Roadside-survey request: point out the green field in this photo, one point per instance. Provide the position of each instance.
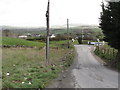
(27, 66)
(17, 41)
(63, 43)
(75, 30)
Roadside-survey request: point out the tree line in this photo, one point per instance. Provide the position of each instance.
(110, 24)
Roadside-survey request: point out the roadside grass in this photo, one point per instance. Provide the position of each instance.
(107, 53)
(27, 67)
(17, 41)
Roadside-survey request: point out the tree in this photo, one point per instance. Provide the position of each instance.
(110, 24)
(6, 32)
(80, 40)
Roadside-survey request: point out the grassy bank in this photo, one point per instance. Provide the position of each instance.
(107, 53)
(26, 68)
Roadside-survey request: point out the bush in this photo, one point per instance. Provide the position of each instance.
(109, 54)
(80, 40)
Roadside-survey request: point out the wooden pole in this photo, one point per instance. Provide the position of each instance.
(68, 33)
(48, 29)
(82, 37)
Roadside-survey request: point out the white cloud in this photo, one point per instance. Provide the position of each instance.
(32, 12)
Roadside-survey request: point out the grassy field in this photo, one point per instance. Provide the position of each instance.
(63, 43)
(75, 30)
(17, 41)
(26, 68)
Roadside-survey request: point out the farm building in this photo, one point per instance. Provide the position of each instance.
(52, 36)
(23, 36)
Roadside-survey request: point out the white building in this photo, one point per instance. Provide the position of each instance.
(23, 36)
(52, 36)
(73, 40)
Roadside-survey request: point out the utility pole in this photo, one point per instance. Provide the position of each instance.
(82, 36)
(48, 33)
(68, 33)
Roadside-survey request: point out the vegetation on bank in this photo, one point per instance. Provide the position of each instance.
(26, 68)
(108, 54)
(110, 24)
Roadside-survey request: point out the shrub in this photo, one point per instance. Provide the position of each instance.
(80, 40)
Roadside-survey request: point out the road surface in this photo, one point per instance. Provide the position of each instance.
(87, 72)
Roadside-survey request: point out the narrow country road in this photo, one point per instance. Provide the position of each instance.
(87, 72)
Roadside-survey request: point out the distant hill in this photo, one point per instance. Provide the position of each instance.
(22, 28)
(44, 28)
(73, 28)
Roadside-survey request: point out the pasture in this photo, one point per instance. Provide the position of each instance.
(26, 68)
(17, 41)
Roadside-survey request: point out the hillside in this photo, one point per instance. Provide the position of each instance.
(17, 41)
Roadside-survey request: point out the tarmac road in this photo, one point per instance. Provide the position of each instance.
(87, 72)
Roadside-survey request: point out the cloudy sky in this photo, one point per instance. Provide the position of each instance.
(32, 12)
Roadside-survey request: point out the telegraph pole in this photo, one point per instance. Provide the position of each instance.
(82, 36)
(67, 32)
(48, 33)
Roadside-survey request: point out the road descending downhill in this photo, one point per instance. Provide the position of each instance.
(90, 73)
(87, 72)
